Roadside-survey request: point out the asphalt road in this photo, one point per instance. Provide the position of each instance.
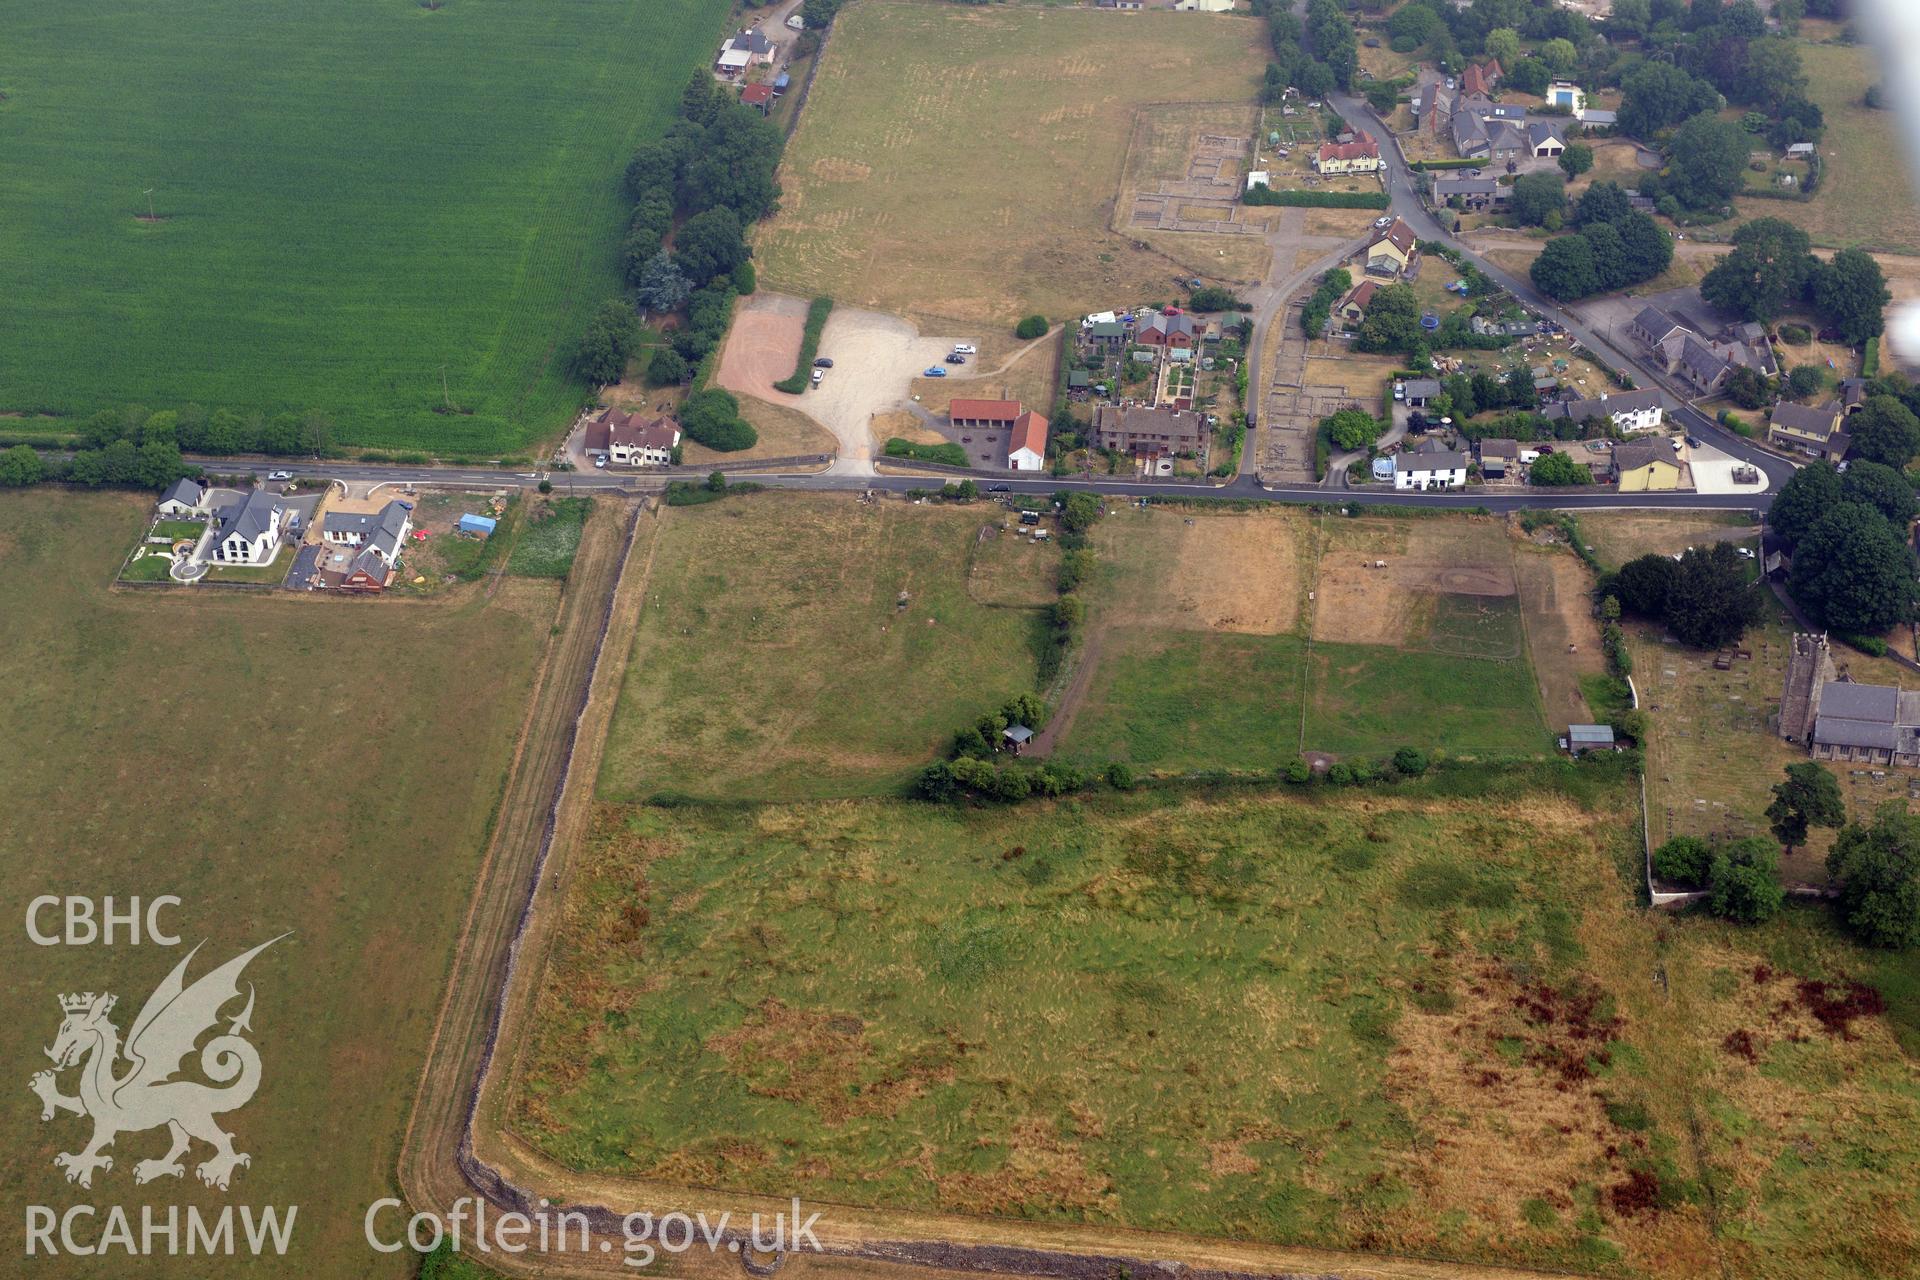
(1408, 206)
(1242, 488)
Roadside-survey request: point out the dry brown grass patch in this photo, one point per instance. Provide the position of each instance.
(810, 1057)
(1042, 1170)
(1207, 572)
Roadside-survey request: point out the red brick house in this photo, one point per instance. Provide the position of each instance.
(1166, 331)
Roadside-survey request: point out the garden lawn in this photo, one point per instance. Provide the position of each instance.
(357, 203)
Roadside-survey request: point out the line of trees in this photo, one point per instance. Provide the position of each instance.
(701, 184)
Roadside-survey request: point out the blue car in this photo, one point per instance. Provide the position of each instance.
(935, 371)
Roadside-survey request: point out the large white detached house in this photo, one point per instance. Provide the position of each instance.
(249, 531)
(1438, 469)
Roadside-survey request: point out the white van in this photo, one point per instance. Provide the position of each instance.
(965, 349)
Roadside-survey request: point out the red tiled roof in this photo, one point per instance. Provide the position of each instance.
(1361, 296)
(989, 410)
(1399, 234)
(757, 95)
(1029, 432)
(1363, 146)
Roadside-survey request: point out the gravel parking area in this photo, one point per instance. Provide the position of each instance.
(875, 359)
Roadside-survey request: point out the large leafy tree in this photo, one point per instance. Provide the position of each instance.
(1882, 488)
(1648, 247)
(1765, 274)
(710, 245)
(1645, 584)
(1744, 881)
(1884, 430)
(1536, 195)
(1810, 493)
(1706, 161)
(1660, 94)
(1851, 294)
(609, 338)
(1809, 797)
(1774, 76)
(20, 466)
(1566, 269)
(662, 286)
(1853, 572)
(1392, 321)
(1876, 866)
(1604, 201)
(1711, 602)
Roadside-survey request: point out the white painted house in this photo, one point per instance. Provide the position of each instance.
(1439, 469)
(1027, 444)
(249, 531)
(1630, 411)
(186, 497)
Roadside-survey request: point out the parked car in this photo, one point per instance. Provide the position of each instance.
(1383, 222)
(1693, 442)
(935, 371)
(964, 349)
(600, 461)
(279, 475)
(824, 362)
(956, 358)
(999, 488)
(817, 375)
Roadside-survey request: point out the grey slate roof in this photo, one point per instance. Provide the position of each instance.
(251, 519)
(185, 490)
(1817, 421)
(1422, 388)
(1625, 402)
(380, 531)
(1654, 321)
(1438, 460)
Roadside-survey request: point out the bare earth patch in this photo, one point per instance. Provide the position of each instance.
(1208, 572)
(762, 345)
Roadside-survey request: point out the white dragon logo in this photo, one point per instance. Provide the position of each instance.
(147, 1096)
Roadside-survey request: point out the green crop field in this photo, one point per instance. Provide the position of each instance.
(354, 200)
(279, 764)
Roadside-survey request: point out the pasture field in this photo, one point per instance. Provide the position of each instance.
(1191, 700)
(1866, 194)
(1209, 653)
(1422, 1019)
(279, 764)
(964, 160)
(350, 201)
(775, 659)
(1619, 536)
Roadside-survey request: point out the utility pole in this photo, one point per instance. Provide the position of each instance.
(151, 215)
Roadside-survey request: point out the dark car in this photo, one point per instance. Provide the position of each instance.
(999, 488)
(824, 362)
(1693, 442)
(956, 358)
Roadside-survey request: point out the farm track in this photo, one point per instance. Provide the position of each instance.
(429, 1165)
(548, 797)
